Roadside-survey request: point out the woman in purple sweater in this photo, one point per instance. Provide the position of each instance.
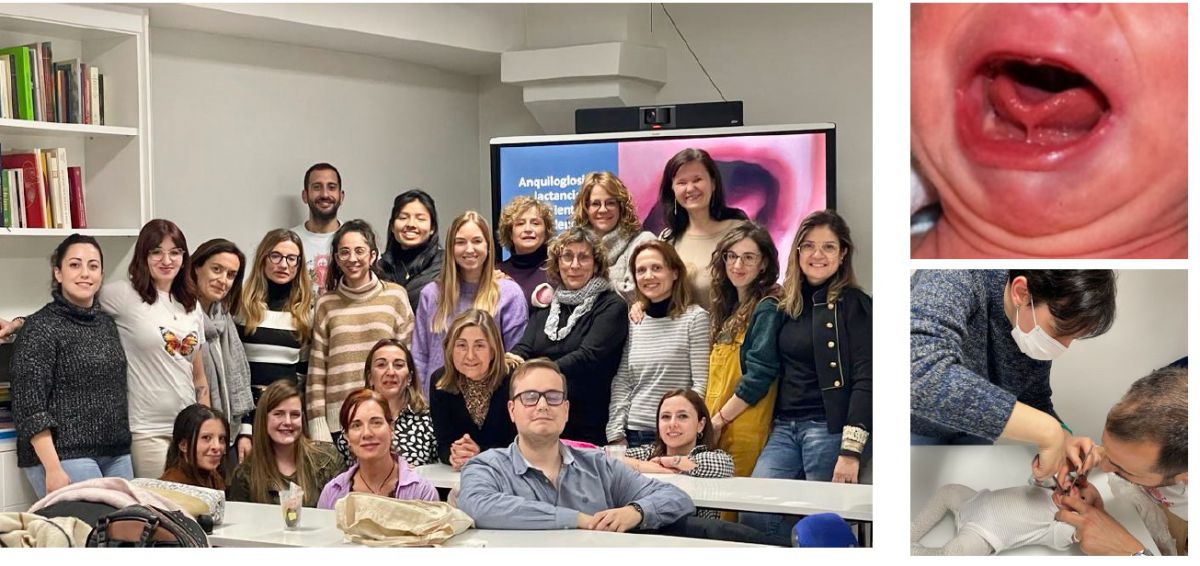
(468, 280)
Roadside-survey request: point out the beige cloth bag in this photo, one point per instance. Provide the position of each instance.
(375, 520)
(26, 530)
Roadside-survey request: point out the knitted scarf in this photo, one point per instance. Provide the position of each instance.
(225, 366)
(615, 243)
(584, 297)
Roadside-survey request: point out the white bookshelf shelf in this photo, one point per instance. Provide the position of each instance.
(13, 127)
(63, 232)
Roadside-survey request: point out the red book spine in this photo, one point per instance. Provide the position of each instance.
(33, 186)
(78, 210)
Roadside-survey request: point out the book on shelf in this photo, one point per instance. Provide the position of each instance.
(38, 88)
(22, 82)
(5, 86)
(78, 210)
(44, 190)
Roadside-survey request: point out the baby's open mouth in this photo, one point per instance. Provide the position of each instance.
(1039, 102)
(1029, 112)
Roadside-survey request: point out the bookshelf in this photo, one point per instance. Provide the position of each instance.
(114, 157)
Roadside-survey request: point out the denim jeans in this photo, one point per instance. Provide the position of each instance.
(795, 450)
(635, 438)
(80, 469)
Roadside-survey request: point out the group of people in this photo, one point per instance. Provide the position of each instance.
(335, 365)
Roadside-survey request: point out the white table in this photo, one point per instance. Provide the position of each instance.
(761, 495)
(258, 525)
(997, 467)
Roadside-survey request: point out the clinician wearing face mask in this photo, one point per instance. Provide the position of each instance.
(982, 346)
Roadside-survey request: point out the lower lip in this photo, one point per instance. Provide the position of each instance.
(970, 113)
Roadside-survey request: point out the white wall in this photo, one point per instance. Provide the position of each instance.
(788, 63)
(1150, 332)
(236, 122)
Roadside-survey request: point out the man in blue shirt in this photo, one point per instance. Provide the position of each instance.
(539, 483)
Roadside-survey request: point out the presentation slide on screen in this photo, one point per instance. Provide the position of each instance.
(775, 179)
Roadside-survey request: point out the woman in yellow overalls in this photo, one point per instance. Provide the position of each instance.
(745, 320)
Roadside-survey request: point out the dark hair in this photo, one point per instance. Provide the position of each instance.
(233, 299)
(792, 301)
(1082, 301)
(322, 167)
(677, 222)
(60, 252)
(393, 247)
(1155, 409)
(728, 315)
(707, 437)
(529, 366)
(187, 430)
(151, 235)
(335, 271)
(350, 406)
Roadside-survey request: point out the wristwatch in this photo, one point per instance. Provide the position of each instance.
(641, 512)
(1142, 552)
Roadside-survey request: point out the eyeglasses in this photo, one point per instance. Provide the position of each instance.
(747, 259)
(346, 253)
(809, 248)
(569, 258)
(610, 204)
(277, 258)
(175, 254)
(530, 398)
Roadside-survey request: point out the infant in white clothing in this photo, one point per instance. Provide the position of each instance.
(989, 521)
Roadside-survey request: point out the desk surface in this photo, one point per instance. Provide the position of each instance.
(258, 525)
(792, 497)
(997, 467)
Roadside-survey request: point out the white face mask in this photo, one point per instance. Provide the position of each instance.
(1035, 343)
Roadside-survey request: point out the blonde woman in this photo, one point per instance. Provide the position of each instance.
(468, 280)
(526, 225)
(470, 402)
(605, 207)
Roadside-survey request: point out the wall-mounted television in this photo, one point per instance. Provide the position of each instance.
(775, 174)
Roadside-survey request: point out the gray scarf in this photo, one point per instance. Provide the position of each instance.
(226, 367)
(584, 297)
(614, 243)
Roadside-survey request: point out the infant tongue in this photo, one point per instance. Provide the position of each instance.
(1047, 117)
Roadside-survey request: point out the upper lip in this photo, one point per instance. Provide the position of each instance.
(1049, 34)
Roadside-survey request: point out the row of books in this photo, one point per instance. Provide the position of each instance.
(34, 88)
(39, 190)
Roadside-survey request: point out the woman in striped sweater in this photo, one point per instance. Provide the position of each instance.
(668, 350)
(275, 318)
(358, 310)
